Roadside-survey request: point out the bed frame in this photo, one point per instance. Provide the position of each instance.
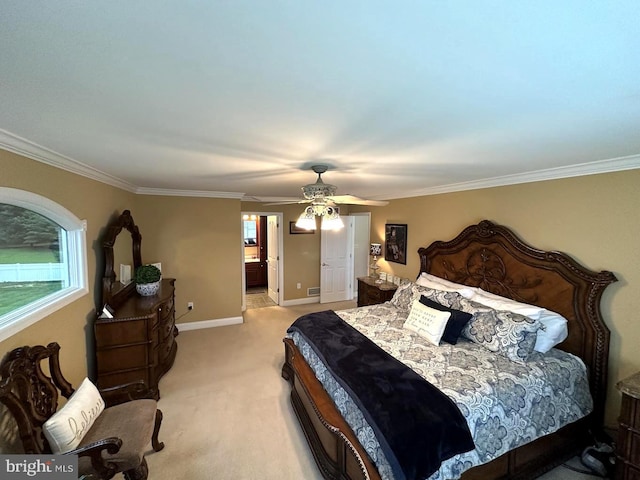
(491, 257)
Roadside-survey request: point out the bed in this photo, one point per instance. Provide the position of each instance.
(489, 257)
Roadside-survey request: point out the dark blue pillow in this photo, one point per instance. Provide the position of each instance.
(455, 324)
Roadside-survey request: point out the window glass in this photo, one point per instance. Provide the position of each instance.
(250, 230)
(32, 265)
(42, 259)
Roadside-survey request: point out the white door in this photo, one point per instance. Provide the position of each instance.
(336, 263)
(272, 257)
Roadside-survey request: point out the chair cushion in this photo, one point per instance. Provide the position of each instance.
(133, 423)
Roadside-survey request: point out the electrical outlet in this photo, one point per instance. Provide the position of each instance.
(298, 285)
(190, 306)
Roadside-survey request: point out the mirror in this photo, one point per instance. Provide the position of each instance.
(250, 229)
(120, 249)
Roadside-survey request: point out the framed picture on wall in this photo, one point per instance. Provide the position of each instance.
(395, 242)
(297, 230)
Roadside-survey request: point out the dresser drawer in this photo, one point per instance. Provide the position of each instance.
(628, 446)
(111, 333)
(629, 412)
(371, 293)
(122, 358)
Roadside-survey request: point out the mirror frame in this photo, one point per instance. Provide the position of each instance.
(111, 294)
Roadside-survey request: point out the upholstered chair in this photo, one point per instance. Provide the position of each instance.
(110, 440)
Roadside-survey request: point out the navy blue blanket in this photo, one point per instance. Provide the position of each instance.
(416, 424)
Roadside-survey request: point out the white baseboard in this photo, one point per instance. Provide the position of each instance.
(219, 322)
(300, 301)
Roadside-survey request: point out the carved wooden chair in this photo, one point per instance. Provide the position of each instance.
(116, 441)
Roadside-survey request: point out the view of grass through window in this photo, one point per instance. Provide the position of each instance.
(30, 257)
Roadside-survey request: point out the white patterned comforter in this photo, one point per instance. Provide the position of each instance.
(506, 404)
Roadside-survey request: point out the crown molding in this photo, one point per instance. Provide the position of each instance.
(26, 148)
(630, 162)
(188, 193)
(14, 143)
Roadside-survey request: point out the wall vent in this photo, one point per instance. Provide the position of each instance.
(313, 292)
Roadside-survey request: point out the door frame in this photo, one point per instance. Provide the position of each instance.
(280, 216)
(361, 244)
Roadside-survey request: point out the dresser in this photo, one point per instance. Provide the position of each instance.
(138, 344)
(628, 446)
(372, 293)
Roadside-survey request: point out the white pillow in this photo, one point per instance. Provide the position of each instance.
(498, 302)
(67, 427)
(554, 329)
(437, 283)
(427, 322)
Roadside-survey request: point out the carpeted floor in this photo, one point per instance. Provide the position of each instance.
(227, 414)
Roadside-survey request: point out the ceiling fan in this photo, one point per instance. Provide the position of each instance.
(320, 193)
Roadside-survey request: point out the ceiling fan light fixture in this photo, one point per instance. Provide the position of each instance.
(331, 219)
(307, 220)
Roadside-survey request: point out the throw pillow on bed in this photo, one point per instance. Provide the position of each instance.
(507, 333)
(456, 322)
(403, 296)
(555, 329)
(427, 322)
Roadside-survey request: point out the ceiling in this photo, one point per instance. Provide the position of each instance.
(400, 99)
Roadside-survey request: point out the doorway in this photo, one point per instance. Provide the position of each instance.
(261, 259)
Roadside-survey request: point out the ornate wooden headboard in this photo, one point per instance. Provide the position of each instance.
(491, 257)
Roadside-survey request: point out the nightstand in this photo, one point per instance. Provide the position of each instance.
(628, 447)
(371, 293)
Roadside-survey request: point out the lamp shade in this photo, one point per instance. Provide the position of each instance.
(307, 220)
(376, 249)
(331, 219)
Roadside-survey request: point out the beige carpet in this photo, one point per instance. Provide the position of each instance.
(227, 414)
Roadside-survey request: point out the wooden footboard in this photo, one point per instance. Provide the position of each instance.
(339, 455)
(333, 444)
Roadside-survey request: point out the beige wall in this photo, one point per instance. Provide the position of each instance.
(88, 200)
(594, 218)
(198, 241)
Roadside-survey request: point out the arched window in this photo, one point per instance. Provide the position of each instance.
(43, 259)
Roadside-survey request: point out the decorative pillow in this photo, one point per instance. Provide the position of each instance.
(68, 426)
(456, 322)
(507, 333)
(427, 322)
(448, 299)
(403, 296)
(437, 283)
(554, 329)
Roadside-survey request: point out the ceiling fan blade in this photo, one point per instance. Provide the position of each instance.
(352, 200)
(288, 202)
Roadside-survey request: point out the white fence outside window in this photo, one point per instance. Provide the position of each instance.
(34, 272)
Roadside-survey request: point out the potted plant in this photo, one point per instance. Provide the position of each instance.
(147, 279)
